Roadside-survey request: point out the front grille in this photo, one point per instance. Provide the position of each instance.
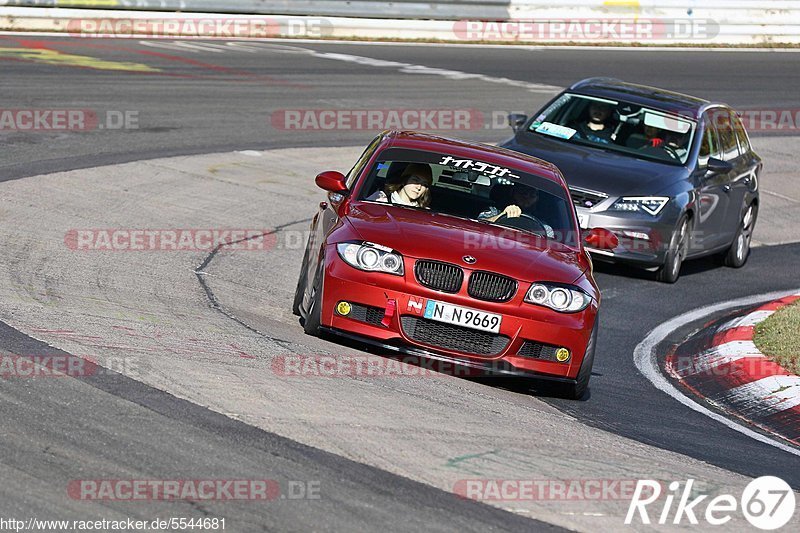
(366, 313)
(538, 350)
(586, 198)
(440, 276)
(491, 287)
(450, 337)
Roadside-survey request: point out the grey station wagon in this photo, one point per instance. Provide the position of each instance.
(673, 177)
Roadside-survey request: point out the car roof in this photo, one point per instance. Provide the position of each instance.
(474, 150)
(660, 99)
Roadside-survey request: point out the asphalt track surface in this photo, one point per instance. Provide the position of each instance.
(201, 101)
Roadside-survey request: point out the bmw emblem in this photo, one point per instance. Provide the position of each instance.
(468, 259)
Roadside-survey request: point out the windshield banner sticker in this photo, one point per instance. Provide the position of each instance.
(480, 166)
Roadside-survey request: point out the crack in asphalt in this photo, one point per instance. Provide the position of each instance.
(212, 298)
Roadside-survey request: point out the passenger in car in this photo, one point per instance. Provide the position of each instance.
(412, 189)
(652, 137)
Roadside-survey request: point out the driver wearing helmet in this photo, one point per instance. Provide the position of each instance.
(519, 200)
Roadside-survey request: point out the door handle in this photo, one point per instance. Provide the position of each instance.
(726, 188)
(323, 205)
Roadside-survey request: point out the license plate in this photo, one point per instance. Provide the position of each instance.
(462, 316)
(583, 221)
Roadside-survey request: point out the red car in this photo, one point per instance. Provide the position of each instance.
(455, 251)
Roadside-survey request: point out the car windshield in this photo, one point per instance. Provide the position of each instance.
(471, 189)
(617, 126)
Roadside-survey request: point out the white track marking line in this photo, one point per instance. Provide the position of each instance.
(644, 356)
(219, 47)
(782, 196)
(197, 46)
(261, 46)
(405, 68)
(408, 68)
(167, 45)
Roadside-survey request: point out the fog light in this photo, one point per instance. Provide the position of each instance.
(562, 354)
(344, 308)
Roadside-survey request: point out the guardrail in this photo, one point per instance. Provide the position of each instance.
(715, 22)
(399, 9)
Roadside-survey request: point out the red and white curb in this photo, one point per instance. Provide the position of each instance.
(732, 374)
(729, 372)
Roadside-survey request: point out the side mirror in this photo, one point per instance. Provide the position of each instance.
(601, 239)
(718, 166)
(516, 121)
(331, 181)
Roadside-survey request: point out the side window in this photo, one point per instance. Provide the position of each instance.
(729, 146)
(741, 135)
(356, 170)
(709, 146)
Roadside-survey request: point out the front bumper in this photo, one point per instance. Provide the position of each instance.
(521, 322)
(642, 241)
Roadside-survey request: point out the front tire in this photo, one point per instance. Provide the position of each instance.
(575, 391)
(737, 254)
(300, 290)
(314, 315)
(670, 271)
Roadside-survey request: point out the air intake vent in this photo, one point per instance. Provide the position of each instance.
(455, 338)
(586, 198)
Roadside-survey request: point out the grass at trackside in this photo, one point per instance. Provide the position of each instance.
(778, 337)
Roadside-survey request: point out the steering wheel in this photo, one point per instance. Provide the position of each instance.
(524, 222)
(671, 151)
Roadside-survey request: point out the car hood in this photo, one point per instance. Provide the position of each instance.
(423, 234)
(599, 170)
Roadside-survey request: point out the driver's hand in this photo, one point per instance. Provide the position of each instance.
(512, 211)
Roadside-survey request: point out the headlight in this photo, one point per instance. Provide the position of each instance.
(371, 257)
(652, 205)
(558, 297)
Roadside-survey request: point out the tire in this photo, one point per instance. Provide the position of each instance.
(575, 391)
(670, 271)
(314, 314)
(737, 254)
(301, 284)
